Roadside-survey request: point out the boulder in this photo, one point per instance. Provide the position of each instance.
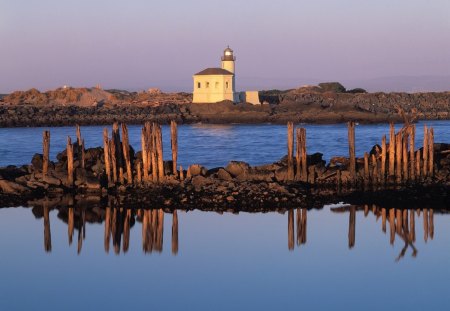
(236, 168)
(199, 181)
(11, 187)
(224, 175)
(36, 161)
(281, 174)
(197, 169)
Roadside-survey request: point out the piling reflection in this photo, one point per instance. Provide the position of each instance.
(398, 224)
(402, 225)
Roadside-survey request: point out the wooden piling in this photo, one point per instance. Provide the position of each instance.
(159, 148)
(405, 155)
(83, 155)
(351, 150)
(78, 131)
(69, 151)
(352, 227)
(181, 173)
(303, 155)
(383, 220)
(392, 149)
(112, 152)
(46, 153)
(366, 169)
(153, 155)
(144, 152)
(138, 172)
(412, 138)
(425, 152)
(106, 155)
(418, 162)
(174, 144)
(126, 153)
(374, 170)
(290, 147)
(47, 232)
(392, 225)
(383, 159)
(398, 156)
(431, 151)
(291, 229)
(297, 154)
(118, 152)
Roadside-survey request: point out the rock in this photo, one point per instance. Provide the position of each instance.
(315, 158)
(281, 174)
(36, 161)
(197, 169)
(11, 187)
(92, 184)
(80, 176)
(199, 181)
(236, 168)
(224, 175)
(52, 181)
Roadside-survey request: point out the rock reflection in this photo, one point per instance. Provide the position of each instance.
(402, 224)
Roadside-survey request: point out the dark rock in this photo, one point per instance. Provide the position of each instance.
(236, 168)
(36, 161)
(224, 175)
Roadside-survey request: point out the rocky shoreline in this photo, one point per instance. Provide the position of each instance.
(64, 107)
(298, 181)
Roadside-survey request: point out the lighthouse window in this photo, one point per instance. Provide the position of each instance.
(199, 85)
(226, 84)
(207, 84)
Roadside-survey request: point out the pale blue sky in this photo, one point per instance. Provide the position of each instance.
(140, 44)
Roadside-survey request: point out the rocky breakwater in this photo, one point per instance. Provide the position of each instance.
(297, 180)
(326, 103)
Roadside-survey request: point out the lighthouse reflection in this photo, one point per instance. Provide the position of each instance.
(398, 224)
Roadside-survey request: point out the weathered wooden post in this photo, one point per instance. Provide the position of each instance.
(112, 152)
(174, 144)
(366, 169)
(431, 151)
(418, 162)
(83, 155)
(374, 170)
(181, 173)
(290, 145)
(383, 159)
(352, 227)
(159, 146)
(70, 224)
(106, 154)
(297, 154)
(154, 154)
(118, 151)
(391, 150)
(405, 155)
(126, 153)
(69, 151)
(425, 151)
(138, 172)
(412, 138)
(144, 154)
(47, 232)
(383, 219)
(78, 131)
(398, 155)
(46, 153)
(351, 149)
(303, 155)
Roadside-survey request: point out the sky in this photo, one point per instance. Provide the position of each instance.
(138, 44)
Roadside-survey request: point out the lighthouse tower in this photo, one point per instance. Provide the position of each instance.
(228, 60)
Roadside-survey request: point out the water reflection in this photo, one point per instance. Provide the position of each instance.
(402, 224)
(398, 224)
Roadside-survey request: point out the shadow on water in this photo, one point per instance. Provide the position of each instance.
(118, 221)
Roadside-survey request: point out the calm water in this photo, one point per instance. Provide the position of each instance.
(322, 260)
(335, 258)
(213, 145)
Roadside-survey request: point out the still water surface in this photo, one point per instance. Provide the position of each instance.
(334, 258)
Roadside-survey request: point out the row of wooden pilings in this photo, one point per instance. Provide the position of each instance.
(117, 157)
(397, 162)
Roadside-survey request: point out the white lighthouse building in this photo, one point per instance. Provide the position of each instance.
(213, 85)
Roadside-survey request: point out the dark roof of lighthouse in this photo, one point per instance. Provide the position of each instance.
(213, 71)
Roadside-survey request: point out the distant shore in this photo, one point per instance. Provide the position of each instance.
(63, 107)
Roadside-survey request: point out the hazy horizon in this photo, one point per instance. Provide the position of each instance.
(379, 46)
